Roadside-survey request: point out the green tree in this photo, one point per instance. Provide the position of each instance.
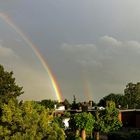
(99, 124)
(49, 103)
(82, 122)
(132, 94)
(106, 120)
(119, 99)
(8, 87)
(28, 120)
(110, 118)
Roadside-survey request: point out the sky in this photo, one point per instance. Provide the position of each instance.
(91, 46)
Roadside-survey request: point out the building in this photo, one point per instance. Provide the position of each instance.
(130, 117)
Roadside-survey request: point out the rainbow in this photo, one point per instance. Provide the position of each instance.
(86, 90)
(86, 86)
(56, 88)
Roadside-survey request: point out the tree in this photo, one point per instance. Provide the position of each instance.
(66, 104)
(82, 122)
(119, 99)
(110, 118)
(8, 87)
(99, 124)
(49, 103)
(132, 94)
(74, 104)
(106, 120)
(28, 121)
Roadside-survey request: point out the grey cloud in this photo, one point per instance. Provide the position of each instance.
(133, 46)
(107, 49)
(6, 52)
(79, 47)
(108, 40)
(81, 53)
(109, 63)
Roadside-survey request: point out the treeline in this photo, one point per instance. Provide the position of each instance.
(130, 99)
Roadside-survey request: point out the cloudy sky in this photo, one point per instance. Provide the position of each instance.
(91, 46)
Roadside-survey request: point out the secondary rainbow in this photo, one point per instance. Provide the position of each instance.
(56, 88)
(86, 86)
(87, 90)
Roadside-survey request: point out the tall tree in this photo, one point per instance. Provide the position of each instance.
(119, 99)
(110, 118)
(106, 120)
(82, 122)
(74, 105)
(66, 104)
(132, 94)
(8, 87)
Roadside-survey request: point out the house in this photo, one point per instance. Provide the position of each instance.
(130, 117)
